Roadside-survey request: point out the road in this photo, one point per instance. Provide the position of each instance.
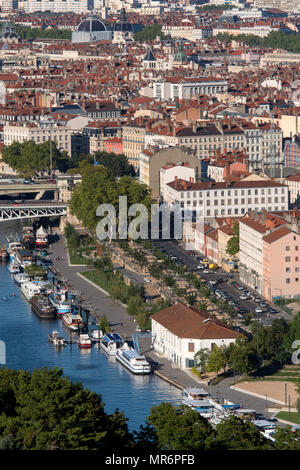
(174, 249)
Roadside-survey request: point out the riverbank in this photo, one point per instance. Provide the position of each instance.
(123, 324)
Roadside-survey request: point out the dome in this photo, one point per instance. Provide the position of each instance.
(90, 25)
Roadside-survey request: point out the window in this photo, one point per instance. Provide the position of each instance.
(287, 270)
(287, 259)
(288, 281)
(191, 347)
(287, 248)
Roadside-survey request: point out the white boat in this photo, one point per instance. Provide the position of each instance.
(14, 268)
(71, 321)
(13, 247)
(197, 399)
(111, 342)
(133, 361)
(221, 404)
(84, 341)
(20, 278)
(60, 301)
(96, 335)
(56, 339)
(31, 288)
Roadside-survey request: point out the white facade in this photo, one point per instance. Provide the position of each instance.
(185, 90)
(251, 256)
(39, 133)
(180, 171)
(221, 199)
(56, 6)
(181, 351)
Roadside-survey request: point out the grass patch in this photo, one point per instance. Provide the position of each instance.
(291, 417)
(77, 258)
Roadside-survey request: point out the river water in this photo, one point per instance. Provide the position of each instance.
(27, 347)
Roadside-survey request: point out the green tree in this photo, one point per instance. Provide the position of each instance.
(104, 324)
(117, 165)
(216, 360)
(45, 411)
(201, 359)
(235, 434)
(233, 244)
(179, 428)
(287, 440)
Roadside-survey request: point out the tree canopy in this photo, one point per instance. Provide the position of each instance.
(99, 187)
(45, 411)
(31, 159)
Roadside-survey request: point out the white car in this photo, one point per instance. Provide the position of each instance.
(206, 271)
(258, 310)
(243, 297)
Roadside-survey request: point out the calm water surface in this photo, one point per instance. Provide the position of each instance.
(27, 347)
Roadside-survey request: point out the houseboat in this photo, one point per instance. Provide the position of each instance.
(111, 342)
(197, 399)
(133, 361)
(13, 247)
(60, 301)
(222, 405)
(71, 321)
(41, 306)
(14, 267)
(20, 278)
(31, 288)
(41, 238)
(84, 341)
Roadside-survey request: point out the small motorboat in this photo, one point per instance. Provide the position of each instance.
(84, 341)
(56, 339)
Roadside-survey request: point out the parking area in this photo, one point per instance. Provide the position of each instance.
(225, 286)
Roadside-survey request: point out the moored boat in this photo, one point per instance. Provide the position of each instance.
(56, 339)
(133, 361)
(41, 306)
(84, 341)
(60, 301)
(197, 399)
(14, 268)
(21, 277)
(31, 288)
(111, 342)
(71, 321)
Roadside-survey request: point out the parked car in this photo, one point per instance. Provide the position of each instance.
(263, 305)
(243, 297)
(206, 271)
(258, 310)
(257, 300)
(240, 288)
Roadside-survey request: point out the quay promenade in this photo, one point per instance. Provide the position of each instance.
(123, 324)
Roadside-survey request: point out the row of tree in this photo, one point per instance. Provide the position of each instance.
(276, 39)
(43, 410)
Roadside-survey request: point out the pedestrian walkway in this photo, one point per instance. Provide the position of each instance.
(122, 323)
(100, 302)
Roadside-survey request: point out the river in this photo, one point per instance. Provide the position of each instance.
(27, 348)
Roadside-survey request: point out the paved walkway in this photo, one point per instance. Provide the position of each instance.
(122, 323)
(100, 303)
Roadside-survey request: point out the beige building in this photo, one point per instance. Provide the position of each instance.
(152, 160)
(39, 132)
(134, 142)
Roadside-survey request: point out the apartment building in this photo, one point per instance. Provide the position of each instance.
(134, 142)
(281, 265)
(227, 199)
(39, 132)
(56, 6)
(293, 183)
